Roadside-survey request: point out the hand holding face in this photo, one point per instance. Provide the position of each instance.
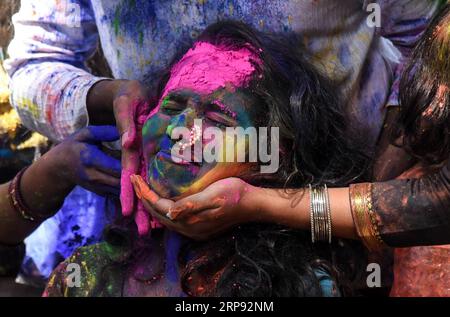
(125, 103)
(131, 108)
(219, 207)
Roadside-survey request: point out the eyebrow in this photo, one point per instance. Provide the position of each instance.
(175, 96)
(224, 108)
(180, 96)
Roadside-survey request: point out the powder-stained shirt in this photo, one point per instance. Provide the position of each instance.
(54, 38)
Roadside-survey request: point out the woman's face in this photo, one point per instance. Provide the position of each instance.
(209, 84)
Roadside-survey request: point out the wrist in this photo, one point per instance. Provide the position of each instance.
(43, 190)
(285, 207)
(54, 165)
(255, 204)
(100, 101)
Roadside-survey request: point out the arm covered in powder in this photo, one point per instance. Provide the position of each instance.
(413, 212)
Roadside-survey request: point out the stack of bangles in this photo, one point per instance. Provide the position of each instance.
(364, 217)
(17, 202)
(320, 214)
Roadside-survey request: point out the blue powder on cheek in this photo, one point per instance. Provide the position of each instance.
(155, 173)
(166, 144)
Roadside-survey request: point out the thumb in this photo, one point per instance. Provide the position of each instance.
(106, 133)
(126, 113)
(149, 197)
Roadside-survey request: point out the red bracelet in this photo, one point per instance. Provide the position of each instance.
(15, 197)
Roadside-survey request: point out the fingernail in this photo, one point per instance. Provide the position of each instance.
(174, 212)
(169, 216)
(136, 186)
(143, 191)
(125, 139)
(176, 209)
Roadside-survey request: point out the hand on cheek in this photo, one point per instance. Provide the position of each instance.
(202, 215)
(151, 203)
(131, 108)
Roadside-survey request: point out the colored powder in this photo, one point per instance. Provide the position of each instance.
(131, 138)
(126, 192)
(225, 108)
(206, 68)
(220, 171)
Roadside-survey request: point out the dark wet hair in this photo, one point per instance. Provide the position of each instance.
(270, 259)
(424, 128)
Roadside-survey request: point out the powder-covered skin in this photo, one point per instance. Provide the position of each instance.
(208, 83)
(206, 68)
(132, 139)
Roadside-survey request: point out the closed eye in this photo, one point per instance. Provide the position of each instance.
(172, 107)
(219, 118)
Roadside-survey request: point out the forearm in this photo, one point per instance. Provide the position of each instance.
(293, 209)
(42, 190)
(100, 101)
(49, 82)
(50, 97)
(397, 213)
(414, 212)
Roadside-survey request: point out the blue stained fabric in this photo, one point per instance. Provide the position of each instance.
(80, 222)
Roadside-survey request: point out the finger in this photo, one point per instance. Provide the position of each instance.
(157, 216)
(193, 204)
(127, 192)
(130, 166)
(144, 193)
(101, 189)
(142, 219)
(142, 190)
(96, 158)
(142, 213)
(104, 190)
(100, 178)
(104, 133)
(160, 218)
(183, 228)
(125, 114)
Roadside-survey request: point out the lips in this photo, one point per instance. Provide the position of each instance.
(180, 160)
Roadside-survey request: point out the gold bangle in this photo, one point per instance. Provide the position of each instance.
(364, 216)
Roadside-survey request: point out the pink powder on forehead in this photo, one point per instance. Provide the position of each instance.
(207, 67)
